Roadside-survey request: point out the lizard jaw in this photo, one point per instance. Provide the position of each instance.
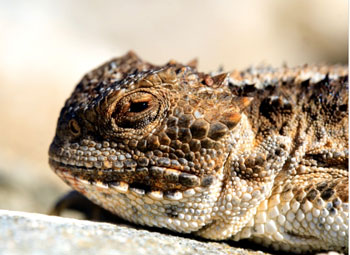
(148, 178)
(183, 211)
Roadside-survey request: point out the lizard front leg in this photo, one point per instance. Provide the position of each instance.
(306, 211)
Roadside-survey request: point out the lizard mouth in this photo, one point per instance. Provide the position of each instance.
(154, 179)
(110, 179)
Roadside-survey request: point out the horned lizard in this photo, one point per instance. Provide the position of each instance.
(259, 154)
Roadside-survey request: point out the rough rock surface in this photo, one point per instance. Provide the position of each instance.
(29, 233)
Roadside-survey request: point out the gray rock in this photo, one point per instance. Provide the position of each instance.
(29, 233)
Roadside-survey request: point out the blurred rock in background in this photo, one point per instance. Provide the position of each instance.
(46, 47)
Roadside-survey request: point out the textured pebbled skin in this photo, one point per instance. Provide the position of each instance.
(260, 153)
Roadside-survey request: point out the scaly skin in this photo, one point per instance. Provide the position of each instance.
(259, 154)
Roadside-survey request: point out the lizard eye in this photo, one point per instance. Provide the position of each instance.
(138, 107)
(136, 110)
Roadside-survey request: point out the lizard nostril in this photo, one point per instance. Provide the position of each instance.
(74, 127)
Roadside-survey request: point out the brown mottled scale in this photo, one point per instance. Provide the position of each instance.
(260, 153)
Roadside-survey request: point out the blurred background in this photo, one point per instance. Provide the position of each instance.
(47, 45)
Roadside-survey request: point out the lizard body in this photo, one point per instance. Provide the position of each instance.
(259, 154)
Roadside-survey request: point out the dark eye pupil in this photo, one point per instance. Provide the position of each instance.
(138, 107)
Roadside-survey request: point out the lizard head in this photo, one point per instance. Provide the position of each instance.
(145, 141)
